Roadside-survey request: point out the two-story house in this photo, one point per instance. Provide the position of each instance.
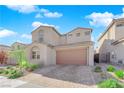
(5, 48)
(50, 47)
(111, 42)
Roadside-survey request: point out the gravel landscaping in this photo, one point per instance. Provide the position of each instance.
(62, 76)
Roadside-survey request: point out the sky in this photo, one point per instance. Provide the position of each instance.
(18, 21)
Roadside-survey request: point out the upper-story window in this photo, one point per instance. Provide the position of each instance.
(87, 33)
(119, 25)
(40, 36)
(78, 34)
(41, 33)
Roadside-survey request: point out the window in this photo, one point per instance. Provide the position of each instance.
(77, 34)
(35, 53)
(87, 33)
(119, 25)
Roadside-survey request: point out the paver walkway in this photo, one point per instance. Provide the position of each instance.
(14, 83)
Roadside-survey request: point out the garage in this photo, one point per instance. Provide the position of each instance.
(72, 56)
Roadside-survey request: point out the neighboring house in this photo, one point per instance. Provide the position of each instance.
(14, 46)
(4, 48)
(18, 45)
(111, 43)
(50, 47)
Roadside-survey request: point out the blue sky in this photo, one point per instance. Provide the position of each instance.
(17, 22)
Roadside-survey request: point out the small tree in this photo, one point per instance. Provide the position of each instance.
(20, 56)
(3, 57)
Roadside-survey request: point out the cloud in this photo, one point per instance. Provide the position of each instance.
(103, 19)
(6, 33)
(38, 16)
(27, 36)
(23, 8)
(37, 24)
(100, 19)
(48, 14)
(26, 9)
(53, 15)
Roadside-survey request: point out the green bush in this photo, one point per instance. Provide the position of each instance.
(98, 69)
(1, 71)
(119, 74)
(110, 83)
(32, 67)
(9, 67)
(11, 73)
(111, 68)
(14, 74)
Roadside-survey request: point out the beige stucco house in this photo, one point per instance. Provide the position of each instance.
(5, 48)
(18, 45)
(49, 47)
(111, 42)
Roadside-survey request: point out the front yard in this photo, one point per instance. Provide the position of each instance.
(76, 76)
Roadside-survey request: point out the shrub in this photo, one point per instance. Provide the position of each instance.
(14, 74)
(120, 74)
(11, 73)
(32, 67)
(111, 68)
(98, 69)
(1, 71)
(24, 64)
(3, 57)
(110, 83)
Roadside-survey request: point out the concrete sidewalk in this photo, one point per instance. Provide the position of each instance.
(15, 83)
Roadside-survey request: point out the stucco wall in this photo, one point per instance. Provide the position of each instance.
(51, 37)
(42, 49)
(47, 54)
(81, 38)
(119, 52)
(119, 33)
(51, 56)
(48, 35)
(2, 48)
(90, 56)
(63, 39)
(17, 46)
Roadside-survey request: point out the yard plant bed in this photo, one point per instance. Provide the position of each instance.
(119, 74)
(110, 83)
(11, 72)
(111, 68)
(17, 71)
(98, 69)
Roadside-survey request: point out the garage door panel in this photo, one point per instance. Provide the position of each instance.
(71, 56)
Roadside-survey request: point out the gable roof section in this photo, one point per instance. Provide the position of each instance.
(4, 46)
(18, 43)
(58, 32)
(79, 28)
(50, 27)
(110, 25)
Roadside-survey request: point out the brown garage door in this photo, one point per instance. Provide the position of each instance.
(72, 56)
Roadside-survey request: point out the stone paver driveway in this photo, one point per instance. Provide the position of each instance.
(62, 76)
